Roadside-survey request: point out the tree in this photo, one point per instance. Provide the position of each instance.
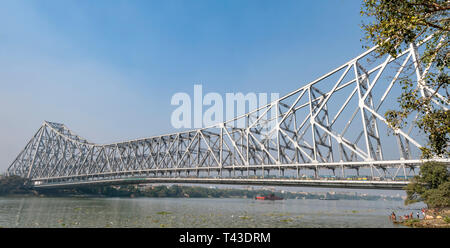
(14, 185)
(431, 186)
(395, 25)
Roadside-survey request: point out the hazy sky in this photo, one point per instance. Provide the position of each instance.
(108, 69)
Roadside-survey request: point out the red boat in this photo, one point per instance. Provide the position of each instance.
(271, 197)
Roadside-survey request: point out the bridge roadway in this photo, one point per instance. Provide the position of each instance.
(321, 183)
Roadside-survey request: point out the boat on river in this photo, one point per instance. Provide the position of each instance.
(270, 197)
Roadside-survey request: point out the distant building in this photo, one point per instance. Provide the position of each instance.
(144, 186)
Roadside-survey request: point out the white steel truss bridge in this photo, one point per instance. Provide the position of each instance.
(331, 132)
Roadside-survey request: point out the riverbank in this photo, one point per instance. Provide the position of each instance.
(14, 185)
(432, 219)
(182, 191)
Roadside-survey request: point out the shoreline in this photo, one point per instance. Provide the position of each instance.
(183, 191)
(179, 197)
(422, 223)
(433, 219)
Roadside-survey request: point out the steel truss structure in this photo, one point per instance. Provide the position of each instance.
(335, 123)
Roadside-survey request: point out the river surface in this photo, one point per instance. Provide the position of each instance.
(197, 212)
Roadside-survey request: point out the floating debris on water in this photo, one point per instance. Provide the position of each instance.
(286, 220)
(163, 213)
(245, 217)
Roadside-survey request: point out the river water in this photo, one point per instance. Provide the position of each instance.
(197, 212)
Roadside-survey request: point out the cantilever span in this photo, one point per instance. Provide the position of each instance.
(331, 132)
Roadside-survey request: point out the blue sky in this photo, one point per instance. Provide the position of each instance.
(108, 69)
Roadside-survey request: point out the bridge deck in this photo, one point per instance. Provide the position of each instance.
(397, 185)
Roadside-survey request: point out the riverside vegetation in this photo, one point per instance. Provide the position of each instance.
(393, 26)
(432, 187)
(14, 185)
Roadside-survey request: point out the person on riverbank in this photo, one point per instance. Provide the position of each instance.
(418, 216)
(423, 213)
(393, 217)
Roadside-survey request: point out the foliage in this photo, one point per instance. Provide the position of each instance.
(120, 191)
(440, 197)
(447, 219)
(395, 25)
(432, 186)
(185, 191)
(14, 185)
